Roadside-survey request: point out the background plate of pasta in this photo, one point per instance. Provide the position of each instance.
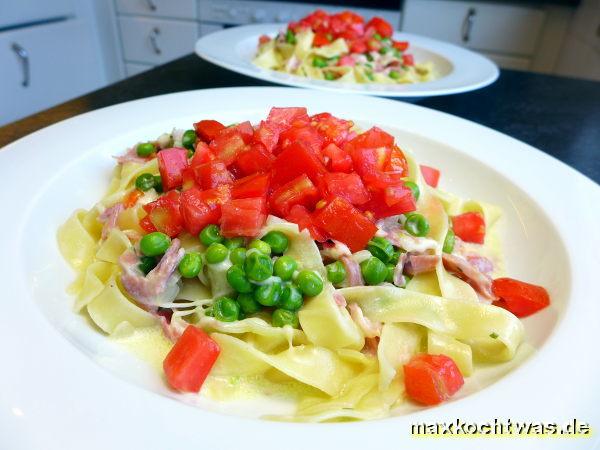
(242, 266)
(342, 52)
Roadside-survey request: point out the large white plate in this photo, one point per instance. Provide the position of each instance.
(55, 394)
(460, 70)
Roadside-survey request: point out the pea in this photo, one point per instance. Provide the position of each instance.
(261, 246)
(277, 241)
(394, 75)
(237, 255)
(190, 265)
(268, 294)
(309, 283)
(336, 272)
(216, 253)
(188, 139)
(416, 192)
(290, 37)
(291, 297)
(210, 234)
(147, 263)
(258, 266)
(144, 182)
(158, 187)
(236, 277)
(384, 50)
(369, 57)
(284, 267)
(370, 75)
(373, 270)
(381, 248)
(416, 224)
(282, 317)
(233, 243)
(449, 242)
(155, 244)
(378, 36)
(390, 273)
(145, 149)
(247, 303)
(226, 309)
(319, 62)
(329, 76)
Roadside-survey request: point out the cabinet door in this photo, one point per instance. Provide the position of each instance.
(156, 41)
(177, 9)
(132, 69)
(16, 12)
(57, 62)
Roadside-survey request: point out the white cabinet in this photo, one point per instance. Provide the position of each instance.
(132, 69)
(16, 12)
(45, 65)
(177, 9)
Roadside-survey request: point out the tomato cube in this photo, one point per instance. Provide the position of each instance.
(164, 213)
(431, 175)
(283, 118)
(346, 185)
(227, 145)
(207, 130)
(294, 161)
(299, 191)
(431, 379)
(255, 159)
(337, 160)
(256, 185)
(302, 217)
(470, 227)
(171, 163)
(212, 175)
(268, 135)
(243, 217)
(200, 208)
(520, 298)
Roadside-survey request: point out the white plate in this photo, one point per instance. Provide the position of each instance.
(55, 395)
(460, 70)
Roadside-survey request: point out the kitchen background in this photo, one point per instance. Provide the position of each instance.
(54, 50)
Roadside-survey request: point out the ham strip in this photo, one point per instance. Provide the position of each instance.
(481, 282)
(172, 329)
(339, 299)
(369, 329)
(109, 218)
(416, 264)
(354, 275)
(399, 279)
(483, 264)
(131, 156)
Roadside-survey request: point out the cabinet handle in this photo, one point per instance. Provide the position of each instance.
(468, 25)
(24, 58)
(153, 35)
(151, 5)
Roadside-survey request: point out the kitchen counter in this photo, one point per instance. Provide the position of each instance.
(560, 116)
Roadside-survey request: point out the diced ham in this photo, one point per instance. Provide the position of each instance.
(481, 282)
(416, 264)
(353, 273)
(391, 229)
(339, 299)
(371, 345)
(109, 218)
(335, 250)
(369, 329)
(399, 279)
(483, 264)
(131, 156)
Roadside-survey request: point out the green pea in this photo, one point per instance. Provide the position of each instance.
(394, 75)
(147, 263)
(284, 267)
(158, 187)
(155, 244)
(145, 149)
(190, 265)
(369, 57)
(236, 277)
(336, 272)
(258, 266)
(390, 273)
(216, 253)
(329, 76)
(234, 243)
(381, 248)
(261, 246)
(384, 50)
(277, 241)
(238, 255)
(290, 37)
(291, 297)
(268, 294)
(416, 192)
(144, 182)
(226, 309)
(395, 257)
(449, 242)
(310, 283)
(210, 234)
(370, 75)
(397, 53)
(188, 139)
(247, 304)
(416, 224)
(378, 36)
(282, 317)
(373, 271)
(319, 62)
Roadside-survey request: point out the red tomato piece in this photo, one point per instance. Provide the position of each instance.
(520, 298)
(408, 60)
(171, 163)
(295, 160)
(164, 213)
(470, 227)
(263, 39)
(374, 45)
(397, 163)
(358, 46)
(381, 27)
(346, 185)
(299, 191)
(227, 145)
(283, 118)
(390, 201)
(207, 130)
(337, 160)
(267, 134)
(321, 39)
(188, 179)
(147, 224)
(243, 217)
(400, 45)
(331, 128)
(343, 222)
(256, 185)
(347, 60)
(307, 134)
(132, 198)
(202, 154)
(190, 360)
(302, 217)
(255, 159)
(200, 208)
(212, 175)
(431, 175)
(244, 129)
(431, 379)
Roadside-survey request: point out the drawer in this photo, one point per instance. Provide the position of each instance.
(176, 9)
(132, 69)
(510, 62)
(25, 11)
(207, 28)
(484, 26)
(156, 41)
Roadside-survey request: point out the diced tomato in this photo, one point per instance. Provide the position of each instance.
(207, 130)
(200, 208)
(337, 160)
(295, 160)
(302, 217)
(190, 360)
(347, 60)
(400, 45)
(381, 27)
(255, 159)
(520, 298)
(431, 175)
(212, 175)
(343, 222)
(408, 60)
(256, 185)
(358, 46)
(391, 201)
(244, 129)
(307, 134)
(132, 198)
(346, 185)
(188, 179)
(202, 155)
(321, 39)
(267, 134)
(147, 224)
(331, 128)
(227, 146)
(263, 39)
(397, 163)
(283, 118)
(171, 163)
(431, 379)
(164, 213)
(299, 191)
(470, 227)
(243, 217)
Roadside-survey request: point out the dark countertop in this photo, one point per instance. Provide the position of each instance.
(560, 116)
